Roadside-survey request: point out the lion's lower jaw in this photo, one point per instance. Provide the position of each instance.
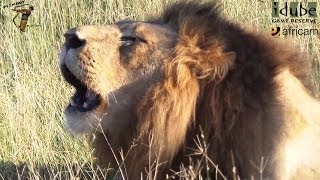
(82, 123)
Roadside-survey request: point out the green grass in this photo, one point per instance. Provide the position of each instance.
(33, 141)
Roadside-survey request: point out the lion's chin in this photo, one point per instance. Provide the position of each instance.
(82, 122)
(85, 112)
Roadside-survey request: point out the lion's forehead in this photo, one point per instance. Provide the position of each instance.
(152, 32)
(96, 32)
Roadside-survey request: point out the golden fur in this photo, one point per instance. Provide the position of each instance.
(194, 89)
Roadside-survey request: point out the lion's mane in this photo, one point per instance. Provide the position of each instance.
(220, 99)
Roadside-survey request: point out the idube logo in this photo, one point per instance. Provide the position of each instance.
(294, 9)
(294, 18)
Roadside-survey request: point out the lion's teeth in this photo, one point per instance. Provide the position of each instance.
(85, 105)
(72, 103)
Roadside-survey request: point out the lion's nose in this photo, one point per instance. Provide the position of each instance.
(73, 41)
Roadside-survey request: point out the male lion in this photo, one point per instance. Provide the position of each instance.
(190, 89)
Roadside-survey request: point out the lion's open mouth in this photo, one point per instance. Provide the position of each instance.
(84, 99)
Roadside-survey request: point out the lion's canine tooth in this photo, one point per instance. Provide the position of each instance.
(72, 103)
(85, 105)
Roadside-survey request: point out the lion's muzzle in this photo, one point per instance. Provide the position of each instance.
(84, 99)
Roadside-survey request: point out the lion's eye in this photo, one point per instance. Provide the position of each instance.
(129, 40)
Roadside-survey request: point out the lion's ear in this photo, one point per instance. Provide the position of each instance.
(229, 56)
(205, 58)
(213, 64)
(220, 62)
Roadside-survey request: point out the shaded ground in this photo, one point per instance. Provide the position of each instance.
(9, 170)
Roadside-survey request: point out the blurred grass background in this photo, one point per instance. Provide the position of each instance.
(33, 141)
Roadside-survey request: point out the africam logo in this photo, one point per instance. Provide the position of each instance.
(21, 8)
(277, 31)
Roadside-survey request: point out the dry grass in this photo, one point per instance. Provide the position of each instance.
(33, 141)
